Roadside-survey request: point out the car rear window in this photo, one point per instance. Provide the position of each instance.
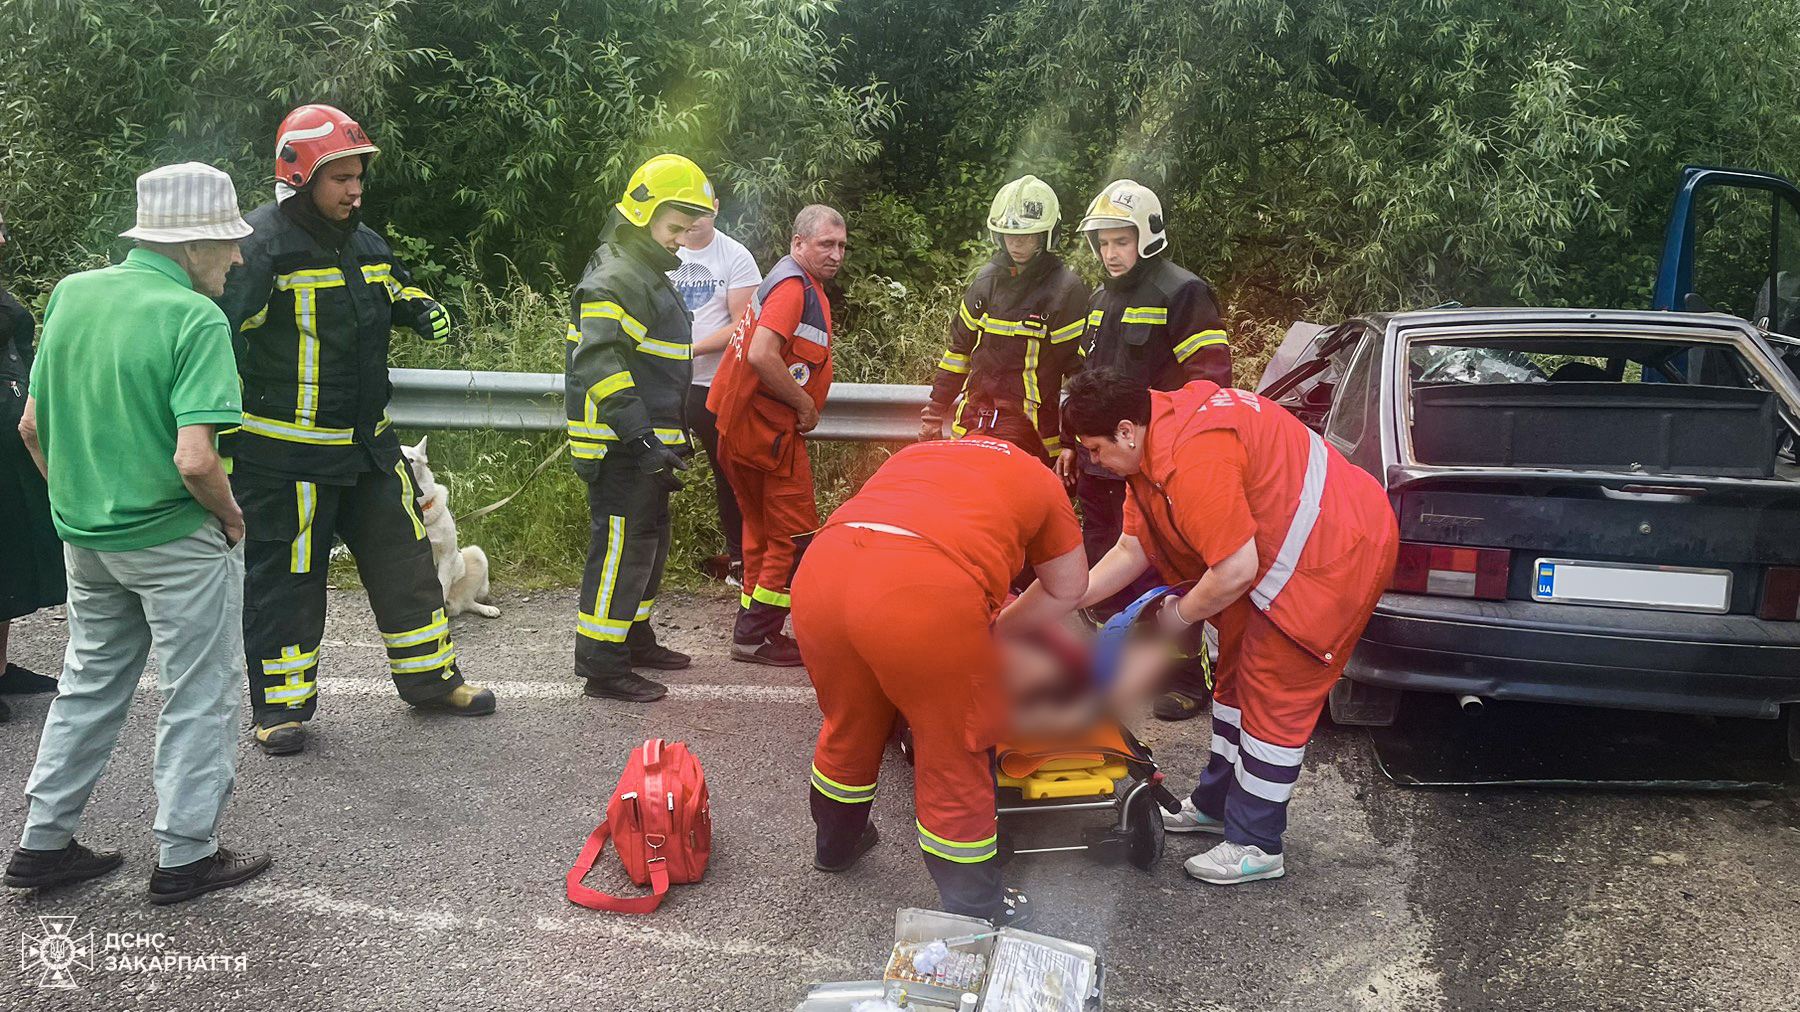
(1616, 404)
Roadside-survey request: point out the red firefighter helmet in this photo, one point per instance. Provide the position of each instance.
(312, 135)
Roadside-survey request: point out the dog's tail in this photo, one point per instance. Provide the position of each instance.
(476, 561)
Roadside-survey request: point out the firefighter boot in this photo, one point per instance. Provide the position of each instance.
(282, 739)
(647, 653)
(465, 701)
(627, 685)
(844, 833)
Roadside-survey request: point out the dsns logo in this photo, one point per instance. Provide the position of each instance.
(57, 953)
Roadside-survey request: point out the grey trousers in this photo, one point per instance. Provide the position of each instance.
(186, 598)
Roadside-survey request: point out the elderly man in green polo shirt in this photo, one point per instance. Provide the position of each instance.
(133, 374)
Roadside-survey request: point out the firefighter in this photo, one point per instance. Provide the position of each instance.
(629, 360)
(767, 395)
(311, 309)
(1160, 325)
(895, 611)
(1017, 332)
(1291, 546)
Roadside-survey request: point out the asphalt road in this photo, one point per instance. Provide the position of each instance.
(420, 860)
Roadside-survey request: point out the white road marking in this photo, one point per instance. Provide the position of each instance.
(318, 901)
(339, 685)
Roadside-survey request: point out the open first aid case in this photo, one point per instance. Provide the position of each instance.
(977, 969)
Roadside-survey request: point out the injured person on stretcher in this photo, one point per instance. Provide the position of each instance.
(1063, 682)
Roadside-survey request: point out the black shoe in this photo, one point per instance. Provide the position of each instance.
(660, 657)
(1173, 706)
(778, 651)
(629, 686)
(222, 870)
(41, 869)
(465, 701)
(282, 739)
(17, 681)
(1015, 909)
(864, 844)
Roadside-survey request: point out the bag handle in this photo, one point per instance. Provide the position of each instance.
(594, 899)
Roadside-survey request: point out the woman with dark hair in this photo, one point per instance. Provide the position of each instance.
(31, 573)
(1291, 546)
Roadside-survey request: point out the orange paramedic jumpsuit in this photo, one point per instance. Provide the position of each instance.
(901, 622)
(1222, 467)
(762, 449)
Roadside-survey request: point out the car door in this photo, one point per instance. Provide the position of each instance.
(1733, 246)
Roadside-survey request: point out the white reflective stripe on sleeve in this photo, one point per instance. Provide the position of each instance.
(1312, 492)
(1267, 790)
(1274, 755)
(813, 334)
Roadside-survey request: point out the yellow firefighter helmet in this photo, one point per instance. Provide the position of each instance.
(1125, 202)
(665, 179)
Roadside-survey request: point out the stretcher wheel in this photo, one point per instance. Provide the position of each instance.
(1143, 829)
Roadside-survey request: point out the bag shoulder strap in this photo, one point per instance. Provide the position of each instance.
(595, 899)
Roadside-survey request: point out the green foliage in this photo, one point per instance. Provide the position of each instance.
(1314, 159)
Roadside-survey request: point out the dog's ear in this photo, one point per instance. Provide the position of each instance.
(420, 449)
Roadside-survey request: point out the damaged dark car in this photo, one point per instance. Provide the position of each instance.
(1595, 507)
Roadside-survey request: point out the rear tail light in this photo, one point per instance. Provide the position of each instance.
(1451, 571)
(1781, 594)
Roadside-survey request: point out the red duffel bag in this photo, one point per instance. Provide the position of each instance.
(660, 820)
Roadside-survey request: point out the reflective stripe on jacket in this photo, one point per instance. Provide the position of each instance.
(1321, 522)
(311, 327)
(1016, 335)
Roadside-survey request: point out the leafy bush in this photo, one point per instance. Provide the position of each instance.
(1314, 159)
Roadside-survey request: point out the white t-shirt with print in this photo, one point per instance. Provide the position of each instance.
(703, 280)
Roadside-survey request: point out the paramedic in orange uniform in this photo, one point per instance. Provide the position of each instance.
(895, 611)
(1292, 546)
(768, 393)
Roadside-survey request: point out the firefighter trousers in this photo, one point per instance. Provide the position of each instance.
(780, 516)
(889, 625)
(290, 527)
(628, 548)
(1267, 697)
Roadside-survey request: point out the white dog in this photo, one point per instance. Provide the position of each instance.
(463, 573)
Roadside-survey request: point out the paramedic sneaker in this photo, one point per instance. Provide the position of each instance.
(1190, 820)
(778, 650)
(1230, 863)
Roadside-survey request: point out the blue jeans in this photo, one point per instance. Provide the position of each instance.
(186, 598)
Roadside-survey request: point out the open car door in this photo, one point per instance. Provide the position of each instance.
(1733, 246)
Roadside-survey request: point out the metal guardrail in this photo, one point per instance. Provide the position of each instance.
(435, 399)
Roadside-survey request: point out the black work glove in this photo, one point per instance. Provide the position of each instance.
(658, 463)
(436, 324)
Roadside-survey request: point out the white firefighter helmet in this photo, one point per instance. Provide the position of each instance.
(1025, 206)
(1125, 202)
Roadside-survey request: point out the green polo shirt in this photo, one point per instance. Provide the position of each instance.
(127, 356)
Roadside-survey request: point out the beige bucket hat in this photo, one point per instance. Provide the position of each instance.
(181, 203)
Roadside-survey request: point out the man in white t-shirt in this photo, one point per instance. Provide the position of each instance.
(716, 278)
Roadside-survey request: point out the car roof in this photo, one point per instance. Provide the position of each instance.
(1535, 315)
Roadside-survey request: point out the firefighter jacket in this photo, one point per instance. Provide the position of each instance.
(629, 356)
(755, 427)
(1322, 523)
(1160, 325)
(311, 311)
(1015, 336)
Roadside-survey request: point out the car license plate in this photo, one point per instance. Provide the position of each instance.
(1623, 585)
